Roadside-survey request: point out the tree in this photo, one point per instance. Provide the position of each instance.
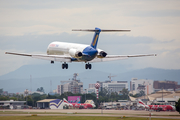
(124, 95)
(178, 106)
(3, 98)
(142, 93)
(1, 91)
(41, 89)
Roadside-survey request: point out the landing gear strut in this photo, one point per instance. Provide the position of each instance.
(64, 65)
(88, 66)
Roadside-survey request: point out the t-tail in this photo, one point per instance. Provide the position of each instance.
(67, 103)
(141, 103)
(64, 99)
(96, 34)
(95, 38)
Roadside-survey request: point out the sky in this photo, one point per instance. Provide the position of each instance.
(29, 26)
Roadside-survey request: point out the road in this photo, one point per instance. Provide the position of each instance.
(89, 112)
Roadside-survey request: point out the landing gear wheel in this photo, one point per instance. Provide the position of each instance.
(88, 66)
(64, 65)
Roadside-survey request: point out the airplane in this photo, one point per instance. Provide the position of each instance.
(73, 52)
(157, 107)
(85, 105)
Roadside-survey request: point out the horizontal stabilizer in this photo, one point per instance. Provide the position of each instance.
(100, 30)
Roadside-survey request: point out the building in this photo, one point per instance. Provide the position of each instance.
(166, 85)
(91, 89)
(50, 104)
(91, 85)
(141, 85)
(13, 104)
(111, 86)
(115, 86)
(74, 86)
(162, 97)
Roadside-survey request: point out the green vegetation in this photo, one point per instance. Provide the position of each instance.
(41, 89)
(178, 106)
(104, 96)
(73, 118)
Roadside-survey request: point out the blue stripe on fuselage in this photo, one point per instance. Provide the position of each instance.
(89, 53)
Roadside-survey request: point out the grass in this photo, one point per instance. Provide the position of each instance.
(21, 112)
(72, 118)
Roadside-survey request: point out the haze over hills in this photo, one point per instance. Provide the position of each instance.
(19, 80)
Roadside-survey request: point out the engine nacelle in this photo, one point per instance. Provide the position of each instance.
(101, 54)
(75, 53)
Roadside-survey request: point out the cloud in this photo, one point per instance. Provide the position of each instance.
(144, 18)
(29, 26)
(168, 52)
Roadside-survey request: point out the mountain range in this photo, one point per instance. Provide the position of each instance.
(49, 76)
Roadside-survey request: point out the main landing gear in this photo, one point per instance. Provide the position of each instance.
(64, 66)
(88, 66)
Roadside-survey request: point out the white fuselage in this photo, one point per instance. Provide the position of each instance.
(77, 52)
(62, 48)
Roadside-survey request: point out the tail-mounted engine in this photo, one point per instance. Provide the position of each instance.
(74, 53)
(101, 54)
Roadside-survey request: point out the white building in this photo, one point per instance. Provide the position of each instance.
(91, 85)
(115, 86)
(13, 104)
(91, 89)
(74, 86)
(137, 85)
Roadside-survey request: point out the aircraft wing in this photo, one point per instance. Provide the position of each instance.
(59, 58)
(118, 57)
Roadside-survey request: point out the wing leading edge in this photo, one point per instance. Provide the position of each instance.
(64, 58)
(59, 58)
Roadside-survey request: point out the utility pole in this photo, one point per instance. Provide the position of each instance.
(26, 93)
(31, 90)
(162, 94)
(50, 86)
(85, 95)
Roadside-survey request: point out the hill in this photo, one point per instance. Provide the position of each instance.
(19, 80)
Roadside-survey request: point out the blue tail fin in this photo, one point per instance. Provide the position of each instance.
(95, 38)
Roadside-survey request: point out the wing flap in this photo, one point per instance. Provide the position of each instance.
(118, 57)
(59, 58)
